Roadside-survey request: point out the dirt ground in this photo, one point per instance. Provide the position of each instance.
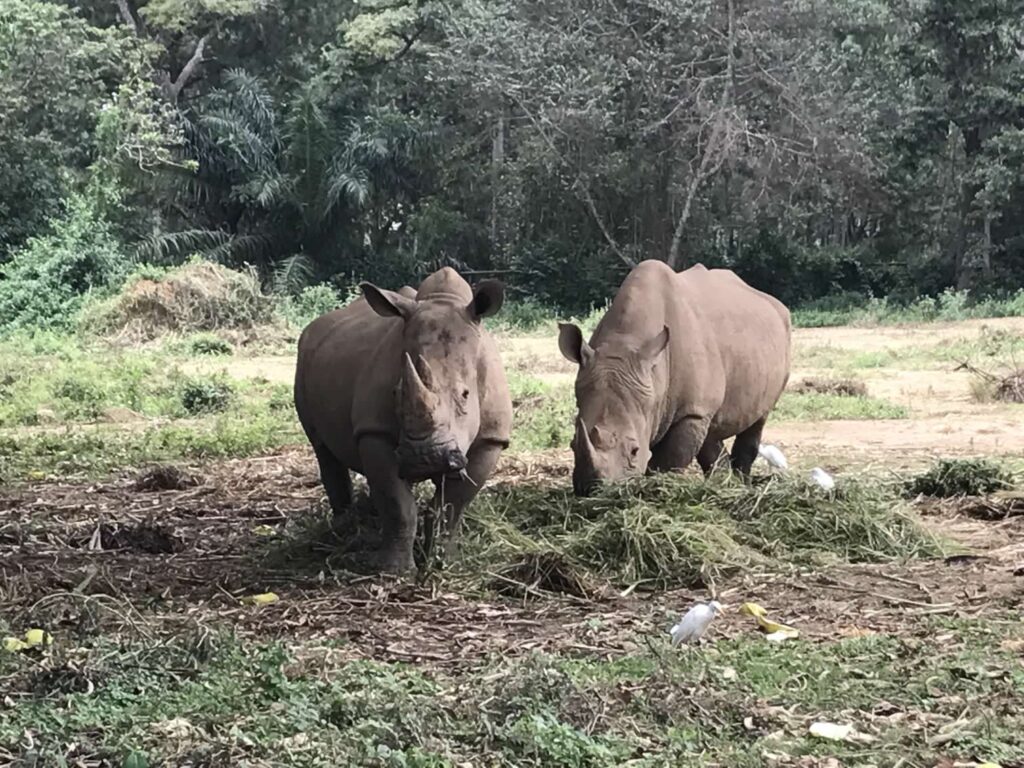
(241, 527)
(944, 418)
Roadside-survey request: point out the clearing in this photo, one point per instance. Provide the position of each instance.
(157, 661)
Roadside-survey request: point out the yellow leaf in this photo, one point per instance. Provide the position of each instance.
(265, 530)
(753, 609)
(13, 645)
(773, 627)
(38, 637)
(262, 599)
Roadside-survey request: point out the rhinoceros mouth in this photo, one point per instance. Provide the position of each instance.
(424, 460)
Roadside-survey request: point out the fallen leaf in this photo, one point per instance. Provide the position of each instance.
(176, 728)
(265, 530)
(831, 731)
(262, 599)
(38, 637)
(781, 635)
(13, 645)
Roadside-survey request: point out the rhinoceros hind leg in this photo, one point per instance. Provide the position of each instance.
(709, 455)
(677, 449)
(744, 447)
(393, 500)
(336, 480)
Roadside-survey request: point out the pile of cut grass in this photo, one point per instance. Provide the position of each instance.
(675, 531)
(950, 478)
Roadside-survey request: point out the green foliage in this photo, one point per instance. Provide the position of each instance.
(814, 406)
(55, 71)
(49, 279)
(313, 301)
(202, 395)
(960, 477)
(544, 413)
(208, 344)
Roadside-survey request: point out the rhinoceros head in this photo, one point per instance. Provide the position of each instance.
(437, 397)
(617, 406)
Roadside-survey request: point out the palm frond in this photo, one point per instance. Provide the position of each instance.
(293, 273)
(168, 246)
(248, 249)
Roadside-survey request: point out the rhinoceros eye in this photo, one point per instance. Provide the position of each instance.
(465, 394)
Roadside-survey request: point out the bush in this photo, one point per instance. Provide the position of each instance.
(311, 303)
(208, 344)
(47, 282)
(206, 395)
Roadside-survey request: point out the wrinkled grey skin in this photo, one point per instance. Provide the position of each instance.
(403, 387)
(678, 364)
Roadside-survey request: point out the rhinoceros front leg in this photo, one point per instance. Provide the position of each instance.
(680, 445)
(392, 498)
(455, 494)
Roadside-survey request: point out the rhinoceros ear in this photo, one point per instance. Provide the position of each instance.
(654, 346)
(488, 297)
(387, 303)
(572, 345)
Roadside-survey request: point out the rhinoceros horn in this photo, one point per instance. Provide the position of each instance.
(583, 442)
(419, 398)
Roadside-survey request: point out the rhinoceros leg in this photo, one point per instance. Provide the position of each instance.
(392, 498)
(680, 445)
(744, 447)
(456, 493)
(336, 479)
(709, 455)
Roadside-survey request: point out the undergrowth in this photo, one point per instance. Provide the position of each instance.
(217, 699)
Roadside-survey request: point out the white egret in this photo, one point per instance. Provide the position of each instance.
(695, 623)
(773, 456)
(823, 479)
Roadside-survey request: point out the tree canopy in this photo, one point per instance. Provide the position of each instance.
(816, 148)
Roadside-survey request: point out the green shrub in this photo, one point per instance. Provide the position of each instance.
(203, 395)
(208, 344)
(48, 281)
(312, 302)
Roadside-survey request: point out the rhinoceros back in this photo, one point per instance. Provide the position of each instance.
(729, 343)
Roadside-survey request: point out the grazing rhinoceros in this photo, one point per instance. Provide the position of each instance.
(680, 362)
(402, 387)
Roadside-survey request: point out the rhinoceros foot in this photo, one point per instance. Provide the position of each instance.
(384, 560)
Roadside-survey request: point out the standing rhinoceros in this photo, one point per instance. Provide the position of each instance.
(403, 387)
(680, 362)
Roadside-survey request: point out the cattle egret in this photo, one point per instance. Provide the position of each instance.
(823, 479)
(773, 456)
(695, 623)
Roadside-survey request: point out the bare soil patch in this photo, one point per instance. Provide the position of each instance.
(89, 556)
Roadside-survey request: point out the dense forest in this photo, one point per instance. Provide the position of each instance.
(824, 150)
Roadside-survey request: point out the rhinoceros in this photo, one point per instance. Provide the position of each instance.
(680, 362)
(403, 387)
